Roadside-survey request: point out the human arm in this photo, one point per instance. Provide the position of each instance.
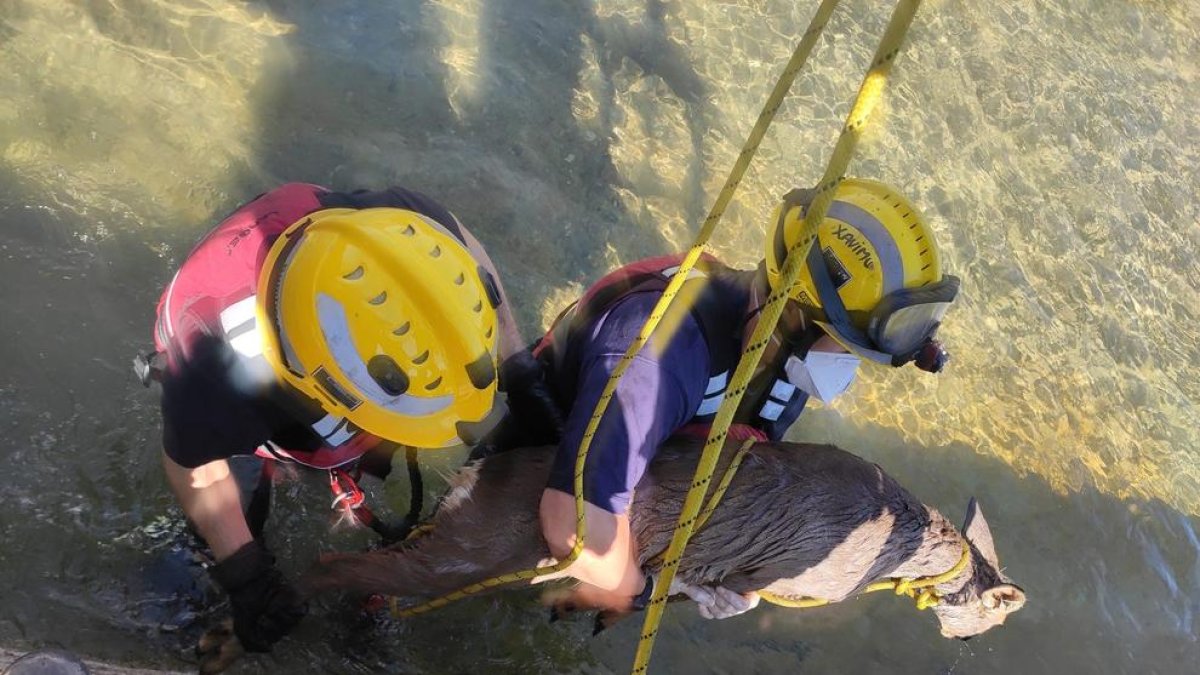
(210, 498)
(659, 392)
(609, 558)
(204, 416)
(265, 605)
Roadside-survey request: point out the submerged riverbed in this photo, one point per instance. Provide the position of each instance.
(1052, 145)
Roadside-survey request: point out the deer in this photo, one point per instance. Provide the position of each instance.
(798, 520)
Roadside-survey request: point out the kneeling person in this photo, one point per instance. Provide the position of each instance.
(872, 289)
(315, 326)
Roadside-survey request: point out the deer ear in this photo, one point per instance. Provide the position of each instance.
(1005, 597)
(976, 529)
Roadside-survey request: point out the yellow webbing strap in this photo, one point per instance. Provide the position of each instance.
(868, 96)
(673, 287)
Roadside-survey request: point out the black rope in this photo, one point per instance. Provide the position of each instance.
(416, 501)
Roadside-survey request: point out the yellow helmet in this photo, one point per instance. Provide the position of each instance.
(875, 282)
(385, 319)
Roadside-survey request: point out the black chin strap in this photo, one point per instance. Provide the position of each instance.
(831, 302)
(799, 343)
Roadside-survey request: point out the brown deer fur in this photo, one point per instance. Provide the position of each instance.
(798, 520)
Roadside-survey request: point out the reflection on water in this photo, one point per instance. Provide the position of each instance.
(1050, 144)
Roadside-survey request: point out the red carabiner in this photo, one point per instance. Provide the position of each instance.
(346, 492)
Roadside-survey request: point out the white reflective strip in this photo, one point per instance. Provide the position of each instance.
(335, 328)
(238, 313)
(709, 405)
(248, 344)
(771, 411)
(167, 304)
(340, 435)
(278, 454)
(692, 273)
(716, 383)
(272, 450)
(326, 425)
(783, 390)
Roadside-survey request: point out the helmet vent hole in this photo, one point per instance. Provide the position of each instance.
(421, 358)
(460, 279)
(488, 333)
(403, 329)
(433, 385)
(478, 307)
(482, 371)
(356, 274)
(409, 231)
(387, 374)
(379, 299)
(436, 252)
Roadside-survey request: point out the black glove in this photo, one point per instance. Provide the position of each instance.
(265, 606)
(530, 399)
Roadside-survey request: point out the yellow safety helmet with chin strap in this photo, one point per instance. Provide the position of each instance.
(874, 283)
(385, 319)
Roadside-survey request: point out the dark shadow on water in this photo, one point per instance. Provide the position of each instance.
(362, 103)
(366, 103)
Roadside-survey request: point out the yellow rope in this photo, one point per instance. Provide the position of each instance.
(921, 590)
(715, 499)
(868, 96)
(672, 289)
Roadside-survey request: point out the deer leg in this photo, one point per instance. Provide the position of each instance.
(486, 526)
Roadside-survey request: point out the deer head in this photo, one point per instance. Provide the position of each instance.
(987, 597)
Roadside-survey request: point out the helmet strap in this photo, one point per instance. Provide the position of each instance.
(801, 197)
(831, 302)
(800, 343)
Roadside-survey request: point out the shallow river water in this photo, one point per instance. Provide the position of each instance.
(1054, 146)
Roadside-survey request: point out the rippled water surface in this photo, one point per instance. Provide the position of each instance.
(1052, 145)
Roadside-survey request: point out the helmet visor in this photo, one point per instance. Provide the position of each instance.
(904, 320)
(898, 326)
(854, 342)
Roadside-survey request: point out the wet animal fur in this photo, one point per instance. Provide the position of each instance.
(797, 520)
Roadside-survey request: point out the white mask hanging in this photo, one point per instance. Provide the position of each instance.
(823, 375)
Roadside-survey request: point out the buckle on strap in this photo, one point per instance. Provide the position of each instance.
(149, 367)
